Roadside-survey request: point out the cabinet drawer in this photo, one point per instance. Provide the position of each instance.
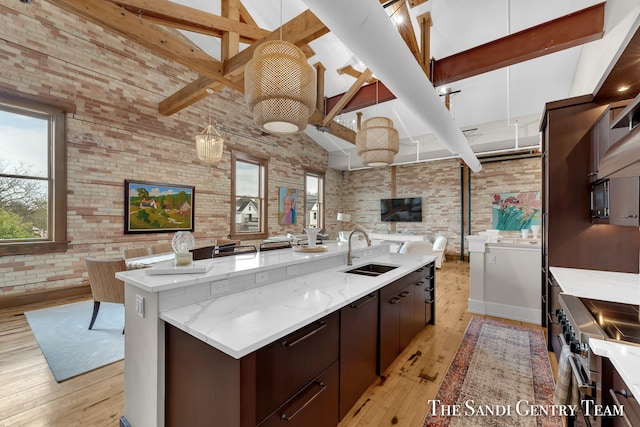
(287, 365)
(622, 397)
(316, 405)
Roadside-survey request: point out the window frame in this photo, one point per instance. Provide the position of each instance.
(56, 240)
(321, 196)
(263, 163)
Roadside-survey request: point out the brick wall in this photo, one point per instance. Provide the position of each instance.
(438, 183)
(116, 133)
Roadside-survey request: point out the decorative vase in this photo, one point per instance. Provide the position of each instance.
(312, 235)
(535, 229)
(182, 243)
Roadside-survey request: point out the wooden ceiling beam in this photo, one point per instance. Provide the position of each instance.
(151, 36)
(400, 13)
(364, 97)
(299, 31)
(562, 33)
(552, 36)
(230, 45)
(332, 127)
(347, 96)
(169, 14)
(350, 71)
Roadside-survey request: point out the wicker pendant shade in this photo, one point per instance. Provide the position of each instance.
(377, 142)
(280, 88)
(209, 145)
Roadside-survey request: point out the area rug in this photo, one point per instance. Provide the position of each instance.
(500, 376)
(69, 347)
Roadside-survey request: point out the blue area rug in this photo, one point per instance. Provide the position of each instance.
(69, 347)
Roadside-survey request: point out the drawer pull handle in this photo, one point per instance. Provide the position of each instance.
(617, 403)
(404, 294)
(321, 326)
(630, 216)
(394, 300)
(363, 301)
(285, 417)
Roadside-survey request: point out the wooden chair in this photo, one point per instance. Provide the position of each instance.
(135, 252)
(271, 246)
(161, 248)
(104, 285)
(204, 252)
(236, 250)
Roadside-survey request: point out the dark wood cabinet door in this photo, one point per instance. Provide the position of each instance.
(389, 329)
(407, 324)
(358, 349)
(624, 199)
(287, 365)
(315, 405)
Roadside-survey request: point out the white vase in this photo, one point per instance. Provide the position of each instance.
(312, 234)
(535, 229)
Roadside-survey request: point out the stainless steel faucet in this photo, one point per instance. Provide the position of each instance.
(366, 236)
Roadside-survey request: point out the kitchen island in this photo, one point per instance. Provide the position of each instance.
(241, 305)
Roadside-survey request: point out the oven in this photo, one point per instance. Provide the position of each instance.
(582, 319)
(577, 326)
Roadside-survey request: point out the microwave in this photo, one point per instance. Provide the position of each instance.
(600, 199)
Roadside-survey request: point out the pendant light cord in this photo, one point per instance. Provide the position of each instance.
(280, 20)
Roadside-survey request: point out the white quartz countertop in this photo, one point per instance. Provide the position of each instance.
(625, 358)
(607, 286)
(230, 266)
(600, 285)
(243, 322)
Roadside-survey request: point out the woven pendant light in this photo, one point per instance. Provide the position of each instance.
(280, 88)
(377, 142)
(209, 143)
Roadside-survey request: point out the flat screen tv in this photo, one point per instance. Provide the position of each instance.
(408, 209)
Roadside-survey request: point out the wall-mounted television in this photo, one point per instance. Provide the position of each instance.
(408, 209)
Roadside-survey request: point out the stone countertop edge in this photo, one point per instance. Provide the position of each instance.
(242, 322)
(625, 358)
(230, 266)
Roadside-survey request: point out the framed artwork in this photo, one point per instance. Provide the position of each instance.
(152, 207)
(287, 206)
(516, 211)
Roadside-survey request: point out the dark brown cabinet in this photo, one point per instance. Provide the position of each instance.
(358, 349)
(287, 366)
(624, 201)
(311, 377)
(617, 393)
(404, 305)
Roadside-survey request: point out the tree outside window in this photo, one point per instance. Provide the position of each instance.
(32, 177)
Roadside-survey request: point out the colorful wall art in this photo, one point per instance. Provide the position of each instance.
(516, 211)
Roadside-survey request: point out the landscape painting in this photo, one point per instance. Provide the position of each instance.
(152, 207)
(516, 211)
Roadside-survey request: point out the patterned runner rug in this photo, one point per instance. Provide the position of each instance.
(500, 376)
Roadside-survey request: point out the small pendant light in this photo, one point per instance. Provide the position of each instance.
(209, 144)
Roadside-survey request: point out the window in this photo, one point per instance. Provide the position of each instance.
(33, 210)
(313, 199)
(248, 196)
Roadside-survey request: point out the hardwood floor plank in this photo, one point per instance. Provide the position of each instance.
(29, 395)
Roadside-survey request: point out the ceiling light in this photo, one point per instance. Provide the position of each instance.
(377, 142)
(623, 88)
(209, 144)
(280, 88)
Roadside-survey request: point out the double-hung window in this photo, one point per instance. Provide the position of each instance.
(248, 196)
(32, 178)
(313, 199)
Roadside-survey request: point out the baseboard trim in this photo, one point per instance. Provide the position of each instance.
(512, 312)
(26, 298)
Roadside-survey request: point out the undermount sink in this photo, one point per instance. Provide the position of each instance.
(371, 269)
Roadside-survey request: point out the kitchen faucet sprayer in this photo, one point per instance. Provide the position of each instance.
(360, 230)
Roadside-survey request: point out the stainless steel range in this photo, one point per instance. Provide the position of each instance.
(581, 320)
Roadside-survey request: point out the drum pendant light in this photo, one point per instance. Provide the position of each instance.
(280, 87)
(209, 144)
(377, 141)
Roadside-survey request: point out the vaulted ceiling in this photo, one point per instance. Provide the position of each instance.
(499, 60)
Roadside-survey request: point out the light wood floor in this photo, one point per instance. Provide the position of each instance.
(29, 396)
